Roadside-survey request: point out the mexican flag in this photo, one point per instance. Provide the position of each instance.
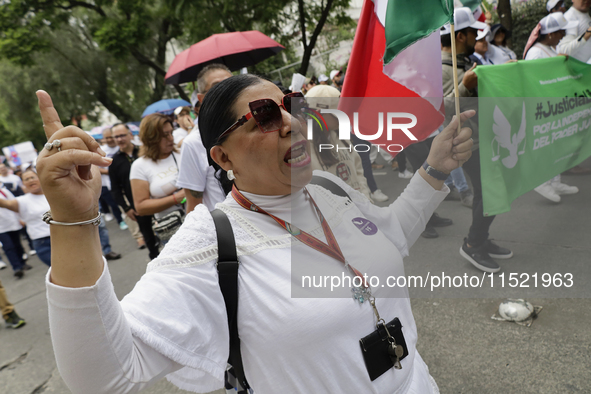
(396, 57)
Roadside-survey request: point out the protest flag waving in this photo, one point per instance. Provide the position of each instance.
(397, 54)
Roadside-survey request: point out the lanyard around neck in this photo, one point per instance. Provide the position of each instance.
(331, 249)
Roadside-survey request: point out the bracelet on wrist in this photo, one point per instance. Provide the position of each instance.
(47, 218)
(439, 175)
(174, 199)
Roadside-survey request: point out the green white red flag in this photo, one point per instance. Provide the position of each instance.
(397, 53)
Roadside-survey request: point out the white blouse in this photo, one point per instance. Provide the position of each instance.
(294, 338)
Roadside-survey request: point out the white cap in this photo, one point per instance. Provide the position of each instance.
(552, 3)
(482, 33)
(463, 18)
(322, 78)
(556, 21)
(333, 73)
(323, 97)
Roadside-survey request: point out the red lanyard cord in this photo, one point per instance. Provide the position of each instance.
(331, 249)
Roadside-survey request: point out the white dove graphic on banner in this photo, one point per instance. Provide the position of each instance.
(504, 138)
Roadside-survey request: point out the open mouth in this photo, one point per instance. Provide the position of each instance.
(297, 155)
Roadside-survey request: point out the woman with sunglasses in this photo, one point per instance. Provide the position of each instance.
(153, 176)
(295, 339)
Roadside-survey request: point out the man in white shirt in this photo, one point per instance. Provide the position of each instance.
(107, 202)
(577, 41)
(196, 176)
(10, 228)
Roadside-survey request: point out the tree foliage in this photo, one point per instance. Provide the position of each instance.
(113, 52)
(525, 18)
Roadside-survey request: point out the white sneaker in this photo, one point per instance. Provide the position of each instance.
(405, 175)
(109, 217)
(2, 265)
(562, 188)
(546, 190)
(32, 252)
(25, 256)
(379, 196)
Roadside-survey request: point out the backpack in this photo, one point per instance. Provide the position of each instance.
(227, 266)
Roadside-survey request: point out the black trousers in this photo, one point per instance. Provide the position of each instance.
(365, 162)
(478, 233)
(417, 153)
(145, 225)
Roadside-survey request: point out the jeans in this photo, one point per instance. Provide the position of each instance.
(456, 178)
(106, 200)
(14, 250)
(104, 236)
(43, 249)
(478, 233)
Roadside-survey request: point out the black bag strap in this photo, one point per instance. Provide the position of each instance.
(228, 280)
(330, 186)
(228, 274)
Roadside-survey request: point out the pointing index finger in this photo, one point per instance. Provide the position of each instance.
(51, 120)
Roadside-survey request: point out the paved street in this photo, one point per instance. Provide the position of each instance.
(466, 351)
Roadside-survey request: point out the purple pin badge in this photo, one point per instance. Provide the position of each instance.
(365, 226)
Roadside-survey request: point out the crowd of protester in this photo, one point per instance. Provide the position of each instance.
(168, 169)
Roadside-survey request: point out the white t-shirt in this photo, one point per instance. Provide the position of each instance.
(161, 175)
(12, 179)
(9, 220)
(175, 317)
(179, 134)
(540, 51)
(196, 173)
(484, 60)
(570, 43)
(499, 54)
(31, 208)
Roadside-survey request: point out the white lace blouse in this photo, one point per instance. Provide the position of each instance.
(294, 338)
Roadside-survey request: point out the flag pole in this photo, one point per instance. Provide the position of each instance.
(454, 62)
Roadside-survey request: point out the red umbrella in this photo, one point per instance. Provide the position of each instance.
(235, 50)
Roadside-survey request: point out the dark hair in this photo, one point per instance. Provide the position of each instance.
(499, 28)
(120, 124)
(217, 114)
(446, 38)
(28, 169)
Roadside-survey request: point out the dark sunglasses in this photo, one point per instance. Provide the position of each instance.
(267, 114)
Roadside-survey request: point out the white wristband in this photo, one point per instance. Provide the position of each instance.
(47, 218)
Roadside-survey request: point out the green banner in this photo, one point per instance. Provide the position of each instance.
(534, 123)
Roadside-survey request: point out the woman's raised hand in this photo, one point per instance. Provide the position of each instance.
(449, 149)
(70, 182)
